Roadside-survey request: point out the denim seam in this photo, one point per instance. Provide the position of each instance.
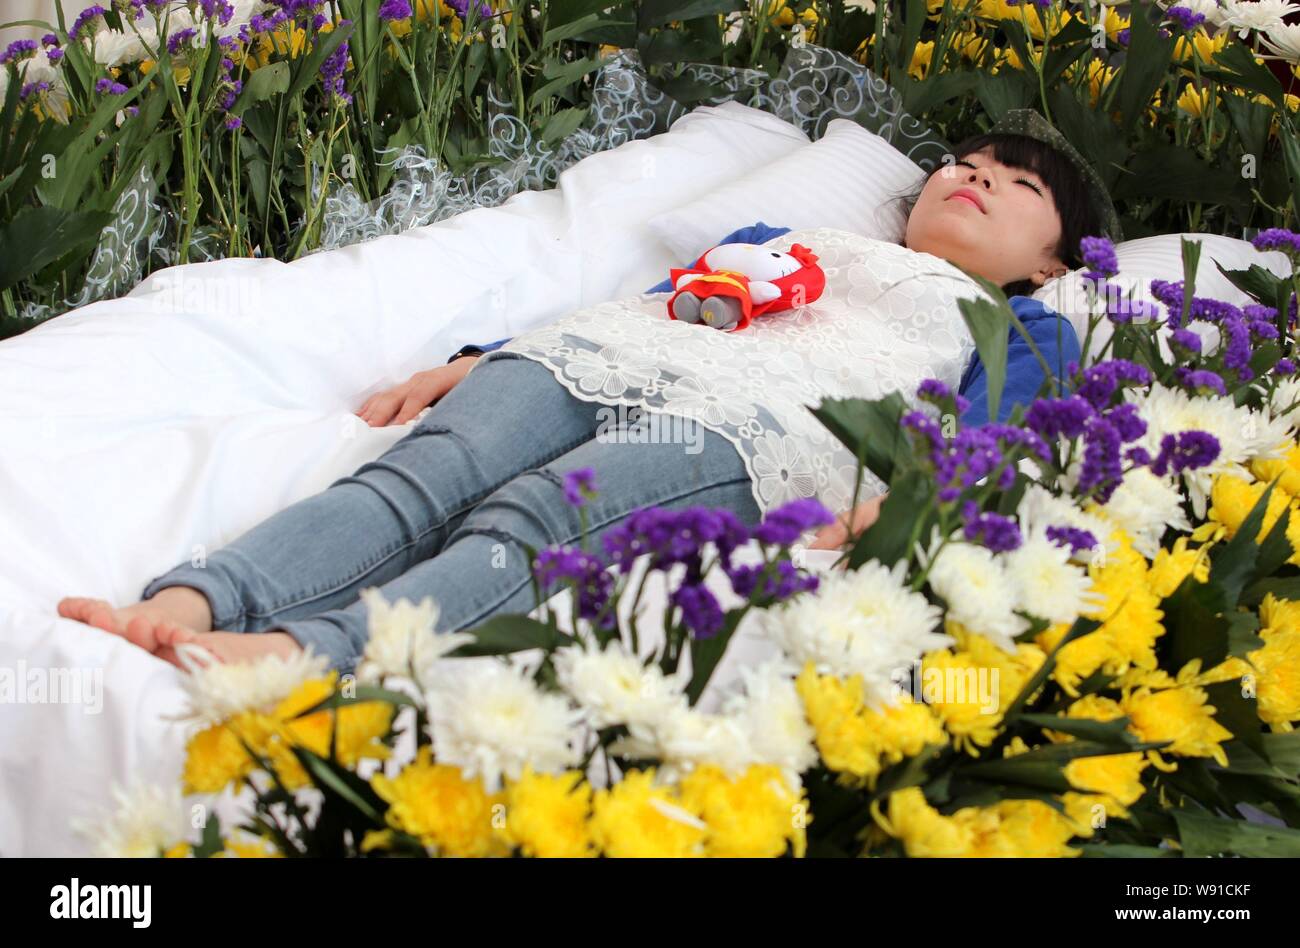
(325, 589)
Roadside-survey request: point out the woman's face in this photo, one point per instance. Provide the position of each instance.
(991, 219)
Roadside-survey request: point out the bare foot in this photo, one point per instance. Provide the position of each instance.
(225, 647)
(138, 624)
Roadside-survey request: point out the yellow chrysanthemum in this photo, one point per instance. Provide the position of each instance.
(178, 851)
(1179, 714)
(1277, 677)
(1114, 24)
(1131, 621)
(1232, 498)
(1105, 785)
(1099, 77)
(1171, 567)
(921, 57)
(250, 847)
(754, 815)
(1202, 44)
(360, 728)
(637, 819)
(1016, 828)
(1195, 102)
(1278, 615)
(216, 757)
(970, 687)
(450, 815)
(970, 46)
(858, 742)
(546, 815)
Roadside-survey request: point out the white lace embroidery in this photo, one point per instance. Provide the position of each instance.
(887, 320)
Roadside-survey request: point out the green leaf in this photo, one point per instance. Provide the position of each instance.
(1106, 733)
(1204, 835)
(1282, 587)
(210, 843)
(1245, 72)
(1233, 563)
(1082, 626)
(1237, 713)
(37, 236)
(911, 498)
(652, 13)
(869, 429)
(990, 325)
(261, 84)
(562, 124)
(337, 781)
(1168, 171)
(504, 634)
(1146, 64)
(309, 70)
(1003, 91)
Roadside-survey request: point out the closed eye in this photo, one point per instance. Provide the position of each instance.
(1024, 181)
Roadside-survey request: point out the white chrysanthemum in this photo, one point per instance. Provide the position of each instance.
(771, 713)
(402, 638)
(1145, 506)
(977, 589)
(116, 49)
(1285, 402)
(145, 821)
(1260, 15)
(1242, 433)
(1039, 509)
(861, 622)
(1047, 584)
(1284, 39)
(615, 687)
(491, 720)
(217, 691)
(686, 738)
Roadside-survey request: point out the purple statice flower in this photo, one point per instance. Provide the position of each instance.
(49, 39)
(1284, 367)
(394, 10)
(1185, 18)
(1201, 381)
(787, 582)
(1000, 534)
(108, 86)
(1127, 421)
(1098, 255)
(700, 610)
(157, 6)
(1277, 238)
(18, 49)
(1059, 417)
(318, 21)
(1102, 469)
(1124, 309)
(332, 69)
(1236, 350)
(1186, 340)
(180, 38)
(462, 8)
(33, 88)
(1138, 456)
(1186, 451)
(580, 486)
(787, 523)
(54, 54)
(587, 573)
(925, 426)
(1100, 382)
(233, 122)
(1123, 35)
(1076, 538)
(1170, 293)
(84, 17)
(219, 10)
(669, 536)
(939, 394)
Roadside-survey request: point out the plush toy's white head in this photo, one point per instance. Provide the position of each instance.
(756, 262)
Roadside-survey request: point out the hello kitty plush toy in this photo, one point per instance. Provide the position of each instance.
(732, 283)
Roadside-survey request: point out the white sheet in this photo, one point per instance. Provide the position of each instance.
(137, 432)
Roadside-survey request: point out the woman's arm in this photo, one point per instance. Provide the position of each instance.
(403, 402)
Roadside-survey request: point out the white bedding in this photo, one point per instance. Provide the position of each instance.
(140, 431)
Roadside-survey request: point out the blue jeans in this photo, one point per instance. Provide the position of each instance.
(446, 512)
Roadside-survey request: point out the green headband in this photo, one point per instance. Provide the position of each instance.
(1031, 124)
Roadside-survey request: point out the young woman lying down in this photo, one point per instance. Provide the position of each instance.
(448, 510)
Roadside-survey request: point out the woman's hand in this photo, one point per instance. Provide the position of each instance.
(403, 402)
(835, 535)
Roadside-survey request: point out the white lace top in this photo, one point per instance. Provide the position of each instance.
(887, 320)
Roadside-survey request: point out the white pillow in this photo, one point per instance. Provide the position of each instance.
(847, 179)
(1160, 257)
